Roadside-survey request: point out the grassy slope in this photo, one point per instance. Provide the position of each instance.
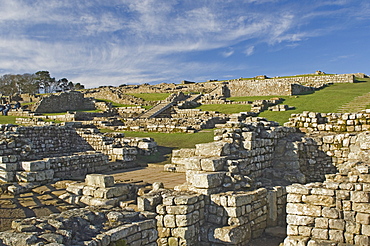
(226, 108)
(327, 100)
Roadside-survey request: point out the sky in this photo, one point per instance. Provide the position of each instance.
(115, 42)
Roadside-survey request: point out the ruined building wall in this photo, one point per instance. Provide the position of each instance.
(62, 102)
(39, 154)
(334, 212)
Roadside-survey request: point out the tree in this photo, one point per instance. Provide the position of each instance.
(78, 86)
(45, 82)
(40, 81)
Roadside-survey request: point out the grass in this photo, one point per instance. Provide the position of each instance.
(7, 119)
(226, 108)
(326, 100)
(150, 96)
(244, 99)
(175, 140)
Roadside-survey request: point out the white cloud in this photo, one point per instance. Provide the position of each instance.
(249, 51)
(141, 41)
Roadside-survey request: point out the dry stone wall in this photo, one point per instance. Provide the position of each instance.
(331, 122)
(62, 102)
(36, 155)
(335, 212)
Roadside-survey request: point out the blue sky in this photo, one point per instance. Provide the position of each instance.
(98, 42)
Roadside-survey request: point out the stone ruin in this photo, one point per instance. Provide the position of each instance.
(256, 176)
(31, 156)
(166, 115)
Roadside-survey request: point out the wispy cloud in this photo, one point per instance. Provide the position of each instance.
(124, 41)
(249, 51)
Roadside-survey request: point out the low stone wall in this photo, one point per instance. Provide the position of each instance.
(335, 212)
(62, 102)
(295, 85)
(331, 122)
(130, 112)
(114, 94)
(188, 125)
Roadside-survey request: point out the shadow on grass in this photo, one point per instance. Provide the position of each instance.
(163, 156)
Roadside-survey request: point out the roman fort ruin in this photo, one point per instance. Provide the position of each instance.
(307, 180)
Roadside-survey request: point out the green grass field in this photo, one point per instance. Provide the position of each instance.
(7, 119)
(226, 108)
(176, 140)
(329, 99)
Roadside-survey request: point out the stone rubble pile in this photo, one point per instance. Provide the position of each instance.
(91, 226)
(98, 190)
(280, 107)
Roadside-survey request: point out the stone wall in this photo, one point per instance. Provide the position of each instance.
(85, 226)
(335, 212)
(40, 154)
(251, 87)
(188, 125)
(331, 122)
(62, 102)
(180, 216)
(114, 94)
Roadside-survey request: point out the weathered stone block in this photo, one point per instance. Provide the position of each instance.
(148, 203)
(322, 200)
(296, 241)
(360, 196)
(7, 177)
(361, 207)
(239, 200)
(365, 230)
(88, 190)
(192, 163)
(208, 180)
(185, 232)
(332, 213)
(25, 176)
(298, 189)
(183, 220)
(212, 149)
(122, 232)
(363, 218)
(320, 233)
(8, 167)
(169, 220)
(32, 166)
(231, 234)
(303, 209)
(180, 209)
(99, 180)
(213, 164)
(300, 220)
(183, 153)
(336, 224)
(185, 199)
